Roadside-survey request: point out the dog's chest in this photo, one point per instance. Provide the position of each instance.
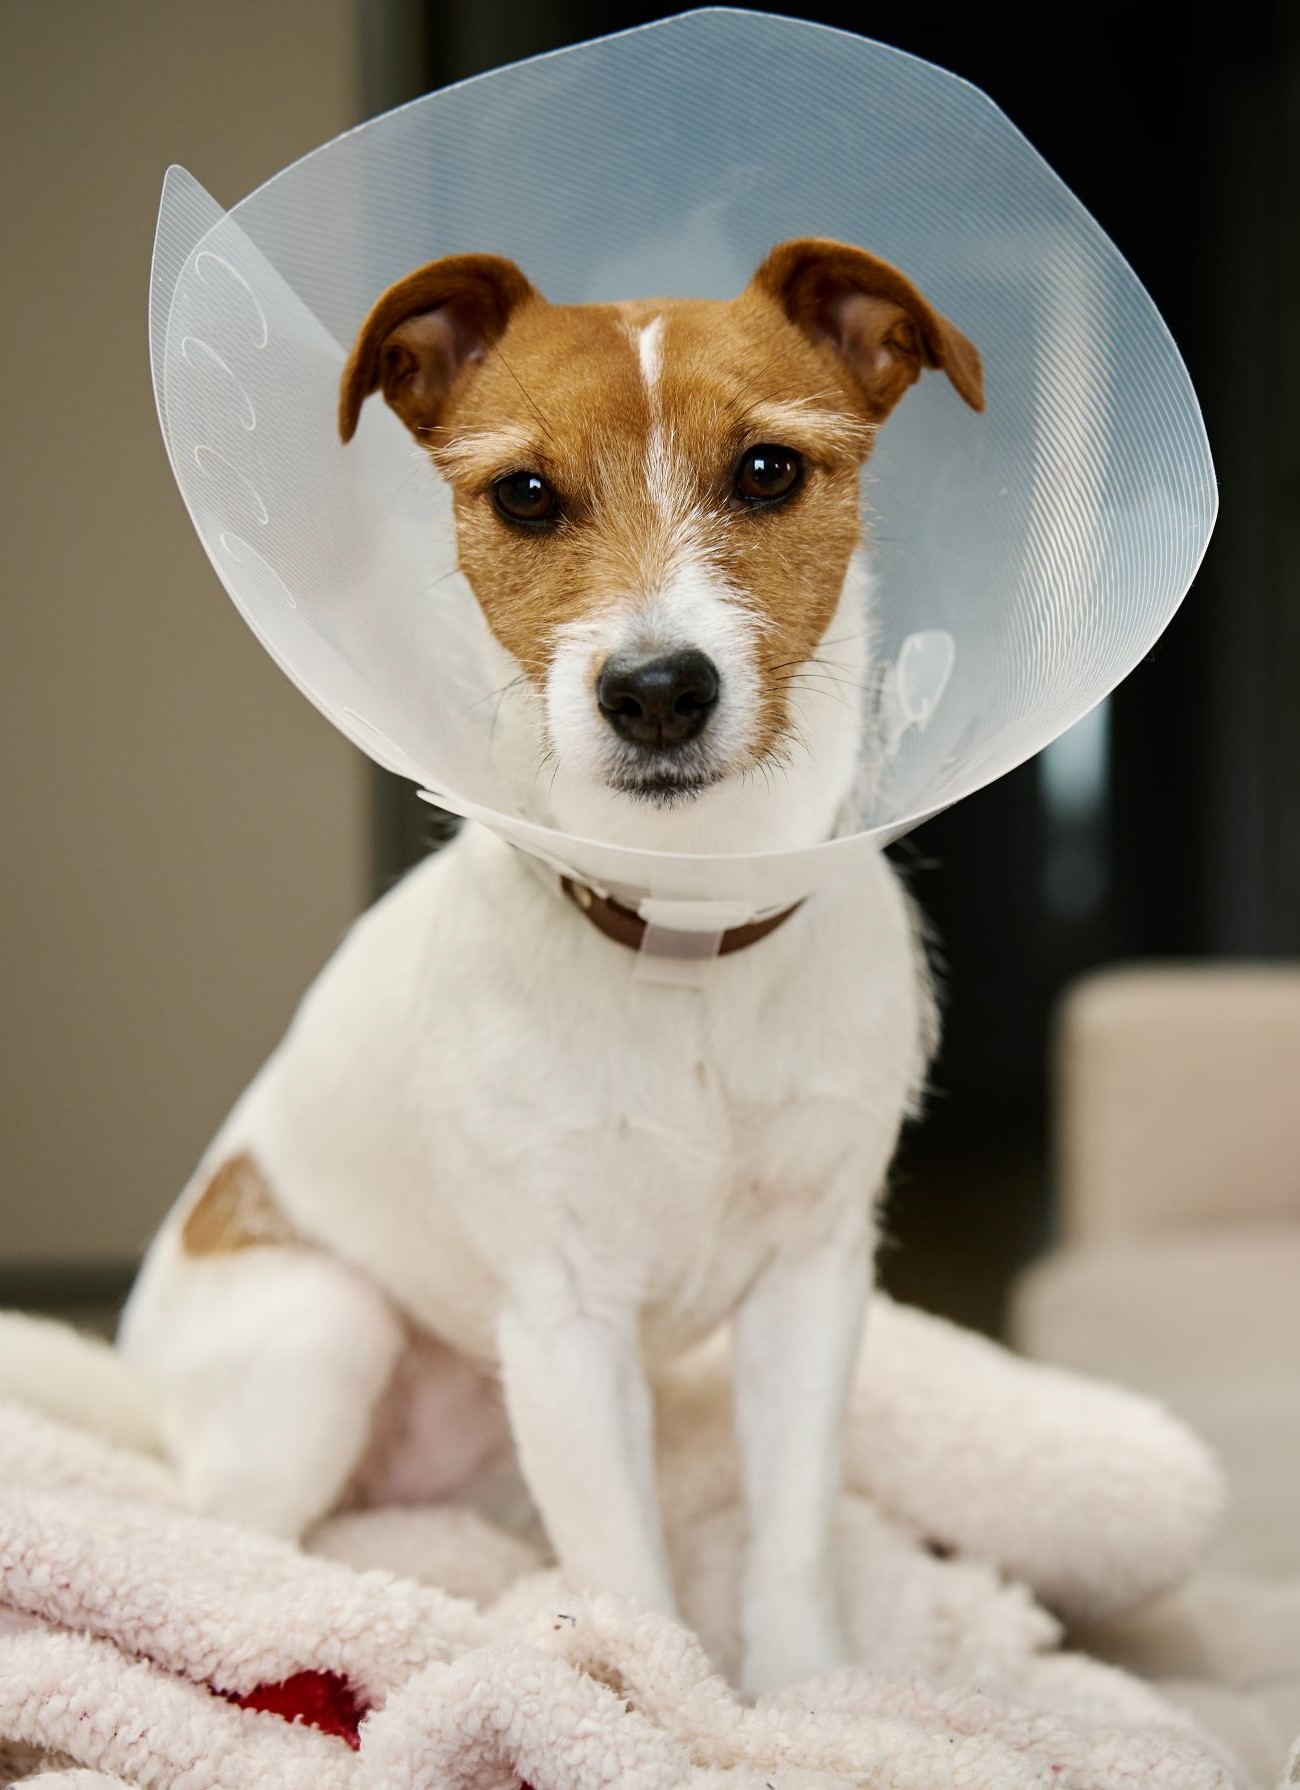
(667, 1178)
(482, 1082)
(781, 1149)
(670, 1142)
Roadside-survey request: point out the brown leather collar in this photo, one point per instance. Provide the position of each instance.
(627, 928)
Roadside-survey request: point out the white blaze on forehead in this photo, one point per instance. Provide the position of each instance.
(649, 348)
(668, 488)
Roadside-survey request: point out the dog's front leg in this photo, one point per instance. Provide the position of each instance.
(795, 1341)
(583, 1424)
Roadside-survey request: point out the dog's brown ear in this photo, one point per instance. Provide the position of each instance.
(873, 316)
(424, 332)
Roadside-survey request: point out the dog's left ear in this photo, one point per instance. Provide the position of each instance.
(425, 332)
(885, 331)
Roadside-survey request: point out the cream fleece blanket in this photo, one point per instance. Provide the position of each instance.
(975, 1484)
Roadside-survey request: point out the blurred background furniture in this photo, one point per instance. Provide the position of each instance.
(1177, 1271)
(1178, 1265)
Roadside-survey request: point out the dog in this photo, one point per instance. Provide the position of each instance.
(492, 1180)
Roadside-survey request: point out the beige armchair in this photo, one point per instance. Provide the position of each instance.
(1177, 1271)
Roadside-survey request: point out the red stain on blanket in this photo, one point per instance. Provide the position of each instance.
(322, 1700)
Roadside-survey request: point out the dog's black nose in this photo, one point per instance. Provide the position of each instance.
(658, 702)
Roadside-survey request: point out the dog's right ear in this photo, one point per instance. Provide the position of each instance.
(424, 332)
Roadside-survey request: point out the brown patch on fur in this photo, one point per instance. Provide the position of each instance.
(823, 341)
(235, 1211)
(18, 1762)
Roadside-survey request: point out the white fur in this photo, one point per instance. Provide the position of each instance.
(649, 348)
(482, 1121)
(76, 1379)
(669, 490)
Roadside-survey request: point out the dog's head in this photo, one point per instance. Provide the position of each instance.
(656, 502)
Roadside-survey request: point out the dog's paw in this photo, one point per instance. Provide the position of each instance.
(788, 1642)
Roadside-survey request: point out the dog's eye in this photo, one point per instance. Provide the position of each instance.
(525, 497)
(767, 474)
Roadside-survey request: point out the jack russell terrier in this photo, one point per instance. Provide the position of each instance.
(487, 1159)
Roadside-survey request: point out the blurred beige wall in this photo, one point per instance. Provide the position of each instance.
(183, 837)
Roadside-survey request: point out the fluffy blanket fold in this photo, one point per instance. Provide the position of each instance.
(425, 1649)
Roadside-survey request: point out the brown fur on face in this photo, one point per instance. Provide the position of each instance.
(640, 440)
